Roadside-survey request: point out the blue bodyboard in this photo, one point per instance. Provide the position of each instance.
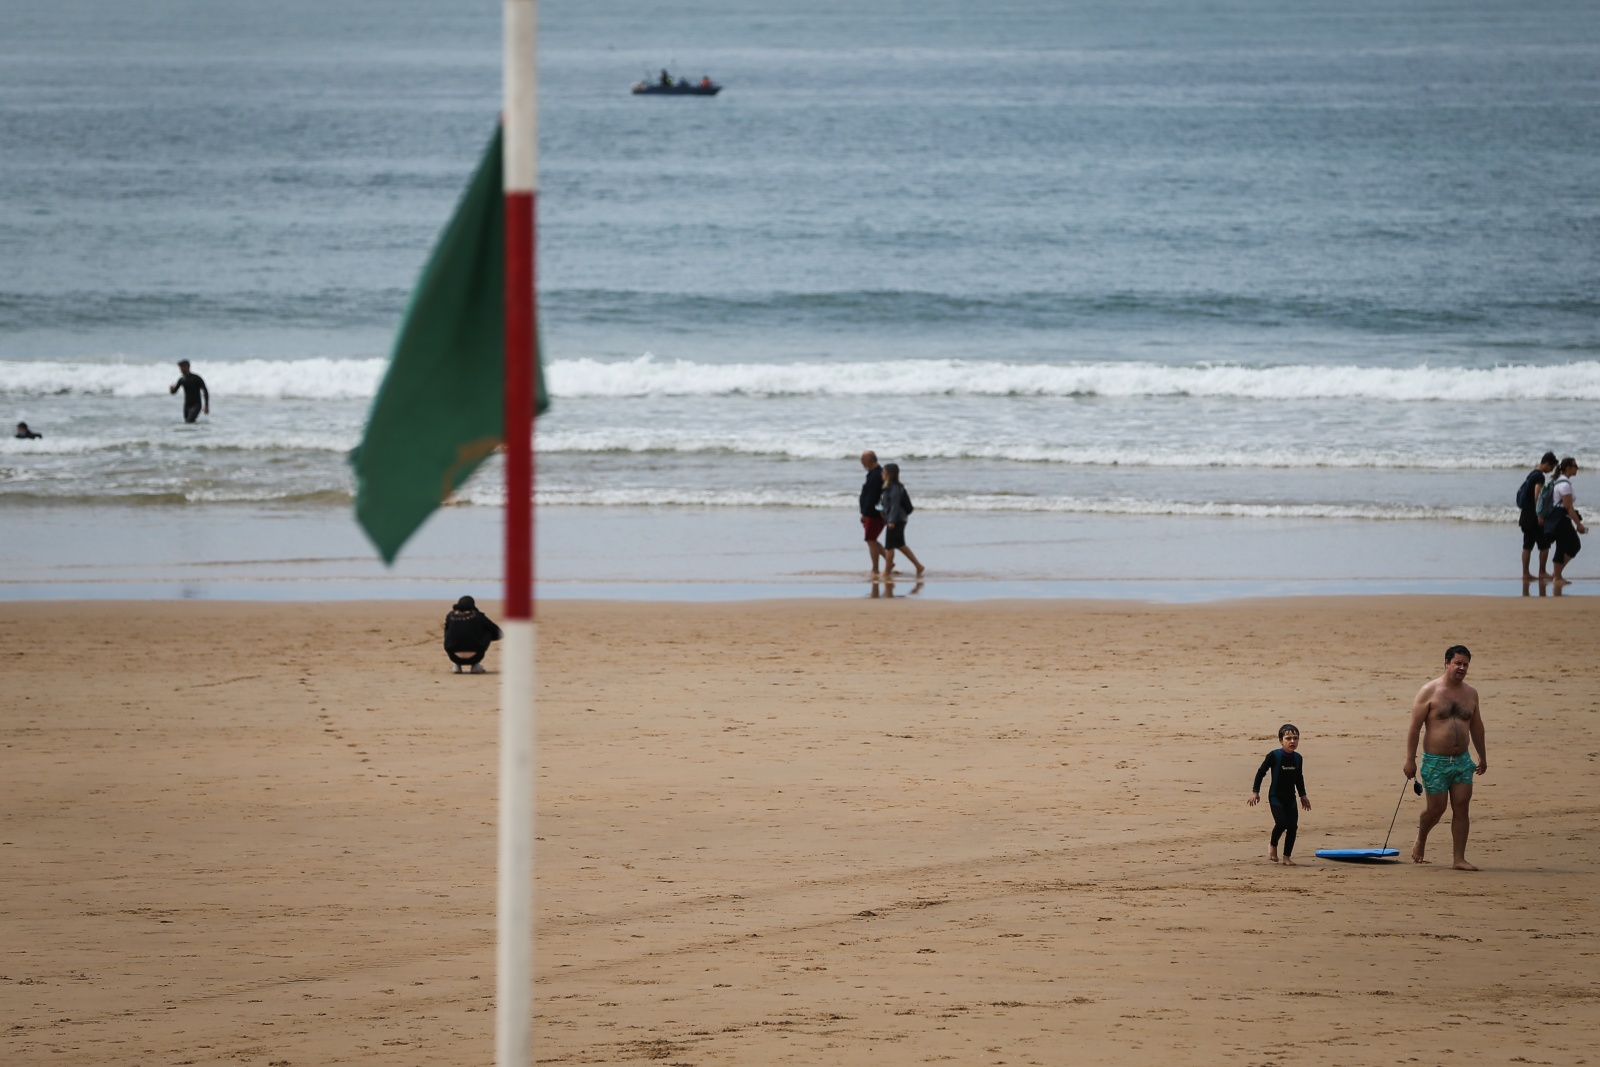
(1358, 855)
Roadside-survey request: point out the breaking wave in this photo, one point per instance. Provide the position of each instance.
(778, 446)
(357, 379)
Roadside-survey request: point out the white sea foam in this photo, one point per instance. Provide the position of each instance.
(492, 495)
(270, 379)
(246, 441)
(648, 376)
(765, 445)
(638, 440)
(357, 379)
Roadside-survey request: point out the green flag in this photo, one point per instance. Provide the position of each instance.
(438, 413)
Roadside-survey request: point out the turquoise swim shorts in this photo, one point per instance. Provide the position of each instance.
(1439, 773)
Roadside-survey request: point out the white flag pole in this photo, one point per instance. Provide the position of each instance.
(514, 951)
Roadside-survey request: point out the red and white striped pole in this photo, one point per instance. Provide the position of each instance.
(514, 953)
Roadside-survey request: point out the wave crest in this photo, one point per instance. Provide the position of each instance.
(647, 376)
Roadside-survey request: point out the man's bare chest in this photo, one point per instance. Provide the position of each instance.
(1447, 711)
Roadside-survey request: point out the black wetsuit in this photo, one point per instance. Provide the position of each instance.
(1288, 778)
(467, 635)
(193, 386)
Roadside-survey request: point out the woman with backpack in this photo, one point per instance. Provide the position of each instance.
(1564, 523)
(897, 508)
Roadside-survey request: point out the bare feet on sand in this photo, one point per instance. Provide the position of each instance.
(1287, 862)
(1273, 856)
(1463, 865)
(1416, 855)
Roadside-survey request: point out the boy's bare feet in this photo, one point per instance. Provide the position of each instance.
(1273, 856)
(920, 570)
(1416, 854)
(1287, 862)
(1463, 865)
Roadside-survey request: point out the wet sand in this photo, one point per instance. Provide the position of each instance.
(782, 832)
(270, 552)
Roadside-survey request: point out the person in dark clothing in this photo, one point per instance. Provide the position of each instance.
(897, 509)
(468, 633)
(1565, 522)
(25, 434)
(1532, 529)
(1288, 778)
(196, 397)
(871, 520)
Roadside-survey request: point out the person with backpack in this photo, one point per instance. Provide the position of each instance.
(1287, 767)
(1562, 522)
(897, 508)
(1532, 529)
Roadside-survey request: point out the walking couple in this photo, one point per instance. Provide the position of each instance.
(1549, 517)
(885, 507)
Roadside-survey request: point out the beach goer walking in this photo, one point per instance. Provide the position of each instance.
(468, 633)
(1564, 523)
(1446, 716)
(1287, 768)
(196, 397)
(897, 508)
(25, 434)
(1532, 529)
(871, 518)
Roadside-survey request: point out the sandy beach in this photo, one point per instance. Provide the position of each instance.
(829, 832)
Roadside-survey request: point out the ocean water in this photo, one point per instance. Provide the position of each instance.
(1325, 262)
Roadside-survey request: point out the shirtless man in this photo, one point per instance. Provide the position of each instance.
(1445, 716)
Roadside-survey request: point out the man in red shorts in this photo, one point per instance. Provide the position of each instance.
(871, 517)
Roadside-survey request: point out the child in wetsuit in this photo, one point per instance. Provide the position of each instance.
(1288, 778)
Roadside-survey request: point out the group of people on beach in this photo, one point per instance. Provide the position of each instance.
(1446, 718)
(885, 509)
(1549, 518)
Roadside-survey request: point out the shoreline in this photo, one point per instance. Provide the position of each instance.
(248, 552)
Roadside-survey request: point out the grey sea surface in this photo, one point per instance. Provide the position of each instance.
(1322, 274)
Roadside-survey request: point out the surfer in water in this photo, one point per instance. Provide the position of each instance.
(1446, 716)
(196, 397)
(1288, 779)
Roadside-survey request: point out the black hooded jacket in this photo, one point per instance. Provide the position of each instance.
(469, 631)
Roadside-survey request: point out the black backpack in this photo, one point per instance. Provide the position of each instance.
(1525, 498)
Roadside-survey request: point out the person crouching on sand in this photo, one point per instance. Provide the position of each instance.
(897, 508)
(467, 635)
(1288, 778)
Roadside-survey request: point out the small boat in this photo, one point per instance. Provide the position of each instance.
(667, 85)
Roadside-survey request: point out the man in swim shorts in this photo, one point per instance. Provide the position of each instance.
(1446, 717)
